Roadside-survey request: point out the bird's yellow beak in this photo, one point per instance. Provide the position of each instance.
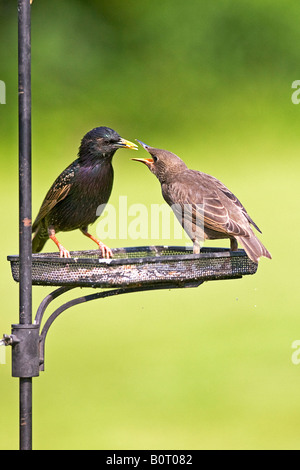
(127, 144)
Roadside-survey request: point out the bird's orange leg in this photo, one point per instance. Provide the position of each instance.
(105, 250)
(63, 253)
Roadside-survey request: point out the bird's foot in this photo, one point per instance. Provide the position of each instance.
(196, 248)
(63, 253)
(105, 250)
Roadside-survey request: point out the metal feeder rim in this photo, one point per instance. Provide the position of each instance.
(206, 253)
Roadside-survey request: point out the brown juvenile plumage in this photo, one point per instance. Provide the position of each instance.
(205, 207)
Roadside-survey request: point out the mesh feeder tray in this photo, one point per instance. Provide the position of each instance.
(137, 266)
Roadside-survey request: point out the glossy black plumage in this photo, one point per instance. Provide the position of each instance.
(73, 200)
(205, 207)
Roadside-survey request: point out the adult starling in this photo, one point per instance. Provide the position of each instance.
(79, 194)
(206, 208)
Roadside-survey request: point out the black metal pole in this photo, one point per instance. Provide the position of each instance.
(25, 289)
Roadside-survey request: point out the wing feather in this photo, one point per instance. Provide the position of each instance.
(58, 191)
(202, 202)
(233, 198)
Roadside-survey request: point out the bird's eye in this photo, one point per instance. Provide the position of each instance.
(154, 158)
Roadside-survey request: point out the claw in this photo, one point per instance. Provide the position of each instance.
(63, 253)
(105, 250)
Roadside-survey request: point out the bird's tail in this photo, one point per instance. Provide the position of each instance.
(253, 247)
(39, 240)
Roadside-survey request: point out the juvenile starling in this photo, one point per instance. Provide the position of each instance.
(205, 207)
(73, 200)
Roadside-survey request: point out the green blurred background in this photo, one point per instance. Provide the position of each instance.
(205, 368)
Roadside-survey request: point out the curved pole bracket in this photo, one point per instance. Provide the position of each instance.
(86, 298)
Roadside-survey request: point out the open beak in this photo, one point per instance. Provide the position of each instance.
(127, 144)
(146, 161)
